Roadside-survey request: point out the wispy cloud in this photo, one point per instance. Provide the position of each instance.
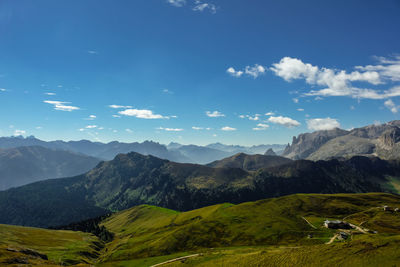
(128, 130)
(60, 105)
(214, 114)
(3, 89)
(170, 129)
(252, 71)
(322, 124)
(91, 117)
(201, 6)
(196, 128)
(177, 3)
(166, 91)
(228, 129)
(141, 114)
(19, 132)
(92, 52)
(391, 106)
(119, 106)
(339, 82)
(50, 93)
(91, 126)
(256, 117)
(284, 121)
(261, 127)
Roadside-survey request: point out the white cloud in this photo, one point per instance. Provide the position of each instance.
(339, 82)
(129, 130)
(200, 6)
(59, 105)
(19, 132)
(197, 128)
(170, 129)
(92, 52)
(81, 129)
(256, 117)
(234, 73)
(300, 109)
(261, 126)
(214, 114)
(38, 127)
(227, 128)
(322, 124)
(391, 106)
(50, 93)
(119, 106)
(166, 91)
(295, 100)
(91, 126)
(3, 89)
(269, 114)
(388, 68)
(253, 71)
(116, 116)
(91, 117)
(177, 3)
(285, 121)
(142, 114)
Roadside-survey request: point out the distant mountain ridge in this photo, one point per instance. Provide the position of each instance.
(382, 140)
(174, 151)
(24, 165)
(250, 162)
(132, 179)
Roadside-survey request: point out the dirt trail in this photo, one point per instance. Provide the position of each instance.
(309, 223)
(177, 259)
(332, 239)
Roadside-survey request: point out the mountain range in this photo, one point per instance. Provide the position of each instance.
(174, 151)
(133, 179)
(23, 165)
(379, 140)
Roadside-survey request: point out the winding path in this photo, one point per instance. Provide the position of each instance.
(176, 259)
(309, 223)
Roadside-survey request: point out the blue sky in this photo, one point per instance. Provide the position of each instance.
(230, 71)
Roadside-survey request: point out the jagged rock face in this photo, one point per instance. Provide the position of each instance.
(390, 137)
(372, 131)
(305, 144)
(381, 140)
(270, 152)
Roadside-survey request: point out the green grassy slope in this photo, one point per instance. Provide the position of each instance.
(25, 245)
(148, 231)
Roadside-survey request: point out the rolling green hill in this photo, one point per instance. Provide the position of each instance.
(133, 179)
(271, 232)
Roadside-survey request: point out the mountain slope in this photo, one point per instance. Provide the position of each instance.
(268, 232)
(20, 246)
(270, 222)
(133, 179)
(381, 140)
(249, 162)
(23, 165)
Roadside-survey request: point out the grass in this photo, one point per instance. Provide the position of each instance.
(146, 231)
(365, 250)
(270, 232)
(60, 247)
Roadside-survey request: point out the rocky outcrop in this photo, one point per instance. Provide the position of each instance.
(270, 152)
(390, 137)
(307, 143)
(382, 140)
